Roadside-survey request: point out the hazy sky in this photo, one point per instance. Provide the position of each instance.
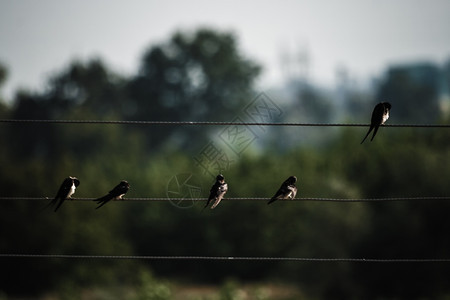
(38, 38)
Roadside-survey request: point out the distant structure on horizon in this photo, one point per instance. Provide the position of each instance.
(427, 75)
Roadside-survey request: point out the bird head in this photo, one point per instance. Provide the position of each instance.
(220, 178)
(75, 180)
(124, 183)
(292, 179)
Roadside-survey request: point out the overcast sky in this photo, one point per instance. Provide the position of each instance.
(38, 38)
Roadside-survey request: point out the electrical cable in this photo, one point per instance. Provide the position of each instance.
(208, 123)
(309, 199)
(225, 258)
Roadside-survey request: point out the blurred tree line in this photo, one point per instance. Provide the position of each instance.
(202, 76)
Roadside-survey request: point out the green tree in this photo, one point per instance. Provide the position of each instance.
(201, 76)
(313, 106)
(399, 163)
(194, 76)
(38, 157)
(3, 77)
(90, 86)
(413, 92)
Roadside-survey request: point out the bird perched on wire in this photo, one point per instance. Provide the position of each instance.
(380, 115)
(66, 190)
(287, 190)
(116, 193)
(217, 191)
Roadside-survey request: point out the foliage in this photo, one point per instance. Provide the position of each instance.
(194, 76)
(206, 73)
(414, 89)
(152, 289)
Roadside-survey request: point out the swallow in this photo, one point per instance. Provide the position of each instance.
(287, 190)
(66, 190)
(116, 193)
(217, 191)
(380, 115)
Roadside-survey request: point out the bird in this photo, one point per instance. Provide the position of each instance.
(380, 115)
(66, 190)
(116, 193)
(217, 191)
(287, 190)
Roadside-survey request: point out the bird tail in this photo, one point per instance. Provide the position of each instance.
(51, 204)
(102, 200)
(59, 204)
(218, 199)
(206, 205)
(367, 134)
(374, 133)
(273, 199)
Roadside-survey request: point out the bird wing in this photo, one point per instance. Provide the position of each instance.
(212, 193)
(103, 200)
(119, 190)
(64, 189)
(377, 115)
(376, 120)
(368, 132)
(115, 192)
(221, 191)
(62, 194)
(281, 191)
(76, 181)
(293, 190)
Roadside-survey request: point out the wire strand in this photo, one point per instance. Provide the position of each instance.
(305, 199)
(225, 258)
(207, 123)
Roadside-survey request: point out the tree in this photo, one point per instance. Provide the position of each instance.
(90, 86)
(194, 76)
(413, 92)
(3, 77)
(35, 160)
(315, 107)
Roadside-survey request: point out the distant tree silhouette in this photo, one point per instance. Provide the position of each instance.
(413, 92)
(194, 76)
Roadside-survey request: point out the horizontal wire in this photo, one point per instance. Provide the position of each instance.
(225, 258)
(142, 199)
(207, 123)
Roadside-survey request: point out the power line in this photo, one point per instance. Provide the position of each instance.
(305, 199)
(208, 123)
(225, 258)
